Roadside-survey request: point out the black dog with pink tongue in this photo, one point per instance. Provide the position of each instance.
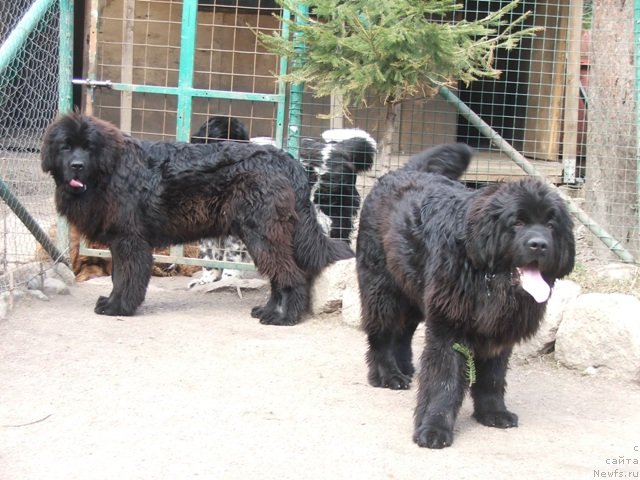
(477, 266)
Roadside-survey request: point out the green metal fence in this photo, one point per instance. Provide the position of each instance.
(211, 64)
(564, 107)
(29, 76)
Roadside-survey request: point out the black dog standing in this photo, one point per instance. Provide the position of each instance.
(477, 265)
(134, 195)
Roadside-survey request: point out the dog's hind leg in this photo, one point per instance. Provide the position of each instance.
(389, 354)
(132, 262)
(271, 248)
(285, 305)
(488, 393)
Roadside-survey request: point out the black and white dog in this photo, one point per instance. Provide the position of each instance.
(332, 167)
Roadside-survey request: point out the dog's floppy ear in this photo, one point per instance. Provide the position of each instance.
(565, 244)
(485, 240)
(51, 143)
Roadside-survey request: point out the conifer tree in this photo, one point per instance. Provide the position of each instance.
(390, 50)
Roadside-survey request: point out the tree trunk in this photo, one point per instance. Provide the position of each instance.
(391, 125)
(611, 185)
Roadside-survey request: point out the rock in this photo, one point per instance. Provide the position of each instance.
(64, 273)
(543, 342)
(618, 272)
(328, 287)
(4, 307)
(35, 283)
(38, 295)
(54, 286)
(601, 331)
(351, 305)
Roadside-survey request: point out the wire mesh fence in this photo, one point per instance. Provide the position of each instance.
(28, 102)
(565, 103)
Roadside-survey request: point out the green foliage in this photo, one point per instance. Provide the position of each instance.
(471, 364)
(391, 49)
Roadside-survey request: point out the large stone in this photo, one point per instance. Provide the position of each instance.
(543, 342)
(351, 305)
(601, 331)
(55, 286)
(64, 273)
(328, 287)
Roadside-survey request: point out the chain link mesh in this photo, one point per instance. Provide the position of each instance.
(28, 103)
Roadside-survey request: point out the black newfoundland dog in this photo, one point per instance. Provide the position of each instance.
(134, 195)
(477, 265)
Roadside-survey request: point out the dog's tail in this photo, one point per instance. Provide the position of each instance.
(450, 160)
(354, 144)
(314, 250)
(219, 128)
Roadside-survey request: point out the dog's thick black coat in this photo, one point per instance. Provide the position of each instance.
(134, 195)
(430, 249)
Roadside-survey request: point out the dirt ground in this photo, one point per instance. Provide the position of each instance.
(193, 387)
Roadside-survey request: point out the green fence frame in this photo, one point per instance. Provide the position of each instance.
(185, 92)
(9, 51)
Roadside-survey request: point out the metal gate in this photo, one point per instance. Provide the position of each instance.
(156, 68)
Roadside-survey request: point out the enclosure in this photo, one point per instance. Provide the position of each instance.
(564, 107)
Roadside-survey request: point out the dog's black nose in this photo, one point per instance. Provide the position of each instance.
(537, 244)
(77, 165)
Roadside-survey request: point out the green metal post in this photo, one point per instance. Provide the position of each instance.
(485, 129)
(185, 74)
(11, 46)
(65, 75)
(65, 94)
(282, 85)
(25, 217)
(295, 98)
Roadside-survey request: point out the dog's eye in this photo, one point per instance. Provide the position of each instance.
(65, 147)
(518, 224)
(550, 226)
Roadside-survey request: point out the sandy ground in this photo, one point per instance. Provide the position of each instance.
(193, 387)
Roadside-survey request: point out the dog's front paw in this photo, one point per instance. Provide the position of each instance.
(431, 436)
(504, 419)
(395, 380)
(257, 312)
(274, 318)
(101, 303)
(106, 306)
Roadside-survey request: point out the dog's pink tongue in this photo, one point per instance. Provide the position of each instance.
(76, 183)
(534, 284)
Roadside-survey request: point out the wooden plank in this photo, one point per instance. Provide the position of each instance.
(546, 83)
(126, 98)
(572, 96)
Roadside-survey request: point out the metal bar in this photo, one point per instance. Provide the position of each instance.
(25, 217)
(65, 63)
(485, 129)
(65, 101)
(185, 73)
(199, 262)
(10, 47)
(282, 85)
(295, 97)
(194, 92)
